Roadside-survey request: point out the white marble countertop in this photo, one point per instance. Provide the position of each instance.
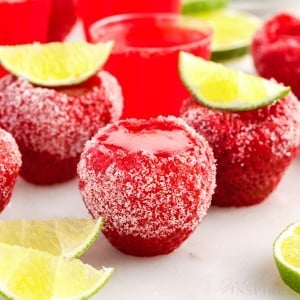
(228, 257)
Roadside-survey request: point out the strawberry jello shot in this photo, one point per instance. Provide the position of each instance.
(152, 181)
(252, 124)
(276, 50)
(10, 163)
(253, 148)
(51, 125)
(58, 101)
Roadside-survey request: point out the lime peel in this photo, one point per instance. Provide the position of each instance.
(218, 87)
(191, 6)
(90, 239)
(289, 273)
(55, 64)
(230, 54)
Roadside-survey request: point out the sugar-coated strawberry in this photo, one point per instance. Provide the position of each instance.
(51, 125)
(252, 148)
(62, 18)
(276, 50)
(152, 180)
(10, 163)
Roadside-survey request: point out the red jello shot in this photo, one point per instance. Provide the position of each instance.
(24, 21)
(51, 125)
(152, 181)
(253, 148)
(145, 58)
(91, 11)
(10, 163)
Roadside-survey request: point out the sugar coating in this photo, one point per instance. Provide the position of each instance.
(56, 121)
(147, 194)
(252, 148)
(10, 163)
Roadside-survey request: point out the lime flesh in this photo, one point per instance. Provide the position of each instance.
(55, 64)
(30, 274)
(216, 86)
(66, 237)
(286, 252)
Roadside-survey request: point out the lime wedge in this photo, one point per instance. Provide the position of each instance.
(233, 32)
(192, 6)
(30, 274)
(216, 86)
(55, 64)
(286, 251)
(66, 237)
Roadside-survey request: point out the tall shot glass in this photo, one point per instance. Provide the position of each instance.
(145, 58)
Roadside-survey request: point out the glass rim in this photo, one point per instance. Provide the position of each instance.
(202, 26)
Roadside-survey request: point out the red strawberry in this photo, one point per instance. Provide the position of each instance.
(252, 148)
(51, 125)
(10, 163)
(152, 180)
(62, 18)
(276, 50)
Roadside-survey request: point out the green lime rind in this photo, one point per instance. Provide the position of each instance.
(191, 6)
(101, 283)
(193, 68)
(221, 55)
(289, 276)
(288, 273)
(91, 240)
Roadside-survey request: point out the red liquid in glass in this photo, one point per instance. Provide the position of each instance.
(62, 19)
(145, 61)
(92, 10)
(24, 21)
